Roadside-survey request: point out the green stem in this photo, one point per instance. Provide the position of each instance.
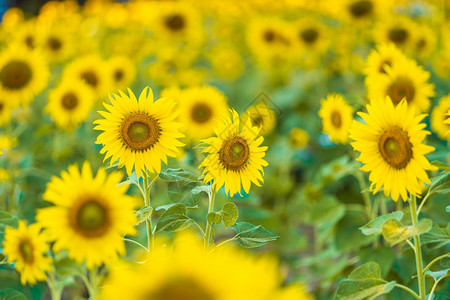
(226, 241)
(208, 230)
(55, 293)
(362, 184)
(435, 260)
(408, 290)
(418, 251)
(435, 285)
(150, 236)
(423, 202)
(136, 243)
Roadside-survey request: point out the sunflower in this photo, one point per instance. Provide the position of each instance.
(399, 30)
(386, 55)
(23, 75)
(298, 138)
(90, 216)
(363, 11)
(405, 79)
(139, 133)
(25, 35)
(235, 157)
(184, 270)
(55, 42)
(439, 116)
(70, 103)
(122, 71)
(390, 142)
(26, 247)
(261, 115)
(200, 107)
(426, 41)
(5, 112)
(227, 62)
(92, 70)
(336, 116)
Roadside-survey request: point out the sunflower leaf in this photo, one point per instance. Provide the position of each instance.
(214, 218)
(144, 213)
(394, 232)
(174, 219)
(438, 274)
(440, 184)
(374, 226)
(229, 213)
(11, 294)
(251, 236)
(437, 236)
(178, 175)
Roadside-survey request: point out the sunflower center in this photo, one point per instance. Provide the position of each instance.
(234, 153)
(118, 75)
(175, 22)
(395, 147)
(360, 9)
(91, 219)
(26, 250)
(269, 36)
(54, 43)
(421, 44)
(257, 120)
(29, 41)
(69, 101)
(398, 35)
(383, 64)
(336, 119)
(90, 78)
(15, 75)
(201, 113)
(140, 132)
(180, 288)
(401, 88)
(309, 35)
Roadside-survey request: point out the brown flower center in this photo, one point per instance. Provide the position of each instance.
(395, 147)
(309, 35)
(234, 153)
(398, 35)
(336, 119)
(29, 41)
(421, 44)
(90, 78)
(401, 88)
(385, 63)
(69, 101)
(140, 132)
(201, 113)
(361, 9)
(257, 120)
(175, 22)
(180, 288)
(90, 218)
(15, 75)
(26, 251)
(118, 75)
(54, 43)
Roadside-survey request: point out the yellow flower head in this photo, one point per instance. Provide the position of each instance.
(90, 216)
(234, 157)
(386, 55)
(298, 138)
(336, 116)
(440, 119)
(390, 142)
(122, 71)
(26, 247)
(139, 133)
(262, 116)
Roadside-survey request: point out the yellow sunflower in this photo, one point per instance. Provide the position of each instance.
(70, 103)
(405, 79)
(184, 270)
(122, 71)
(426, 41)
(298, 138)
(261, 115)
(200, 107)
(439, 116)
(92, 70)
(25, 35)
(400, 30)
(361, 12)
(386, 55)
(337, 116)
(390, 142)
(90, 216)
(55, 42)
(139, 133)
(23, 75)
(5, 112)
(234, 157)
(26, 247)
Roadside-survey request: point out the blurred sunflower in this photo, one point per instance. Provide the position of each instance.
(337, 116)
(261, 116)
(55, 42)
(227, 62)
(426, 41)
(405, 79)
(362, 11)
(26, 247)
(122, 71)
(90, 216)
(26, 35)
(70, 103)
(5, 112)
(396, 29)
(185, 271)
(298, 138)
(234, 157)
(439, 117)
(139, 133)
(92, 70)
(390, 143)
(23, 75)
(386, 55)
(200, 108)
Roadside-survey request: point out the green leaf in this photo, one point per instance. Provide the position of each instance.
(132, 179)
(229, 213)
(67, 267)
(201, 188)
(437, 236)
(438, 274)
(11, 294)
(178, 175)
(251, 236)
(374, 226)
(364, 282)
(394, 232)
(144, 213)
(174, 219)
(214, 218)
(327, 209)
(440, 184)
(7, 219)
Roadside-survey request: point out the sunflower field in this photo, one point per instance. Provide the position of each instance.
(225, 150)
